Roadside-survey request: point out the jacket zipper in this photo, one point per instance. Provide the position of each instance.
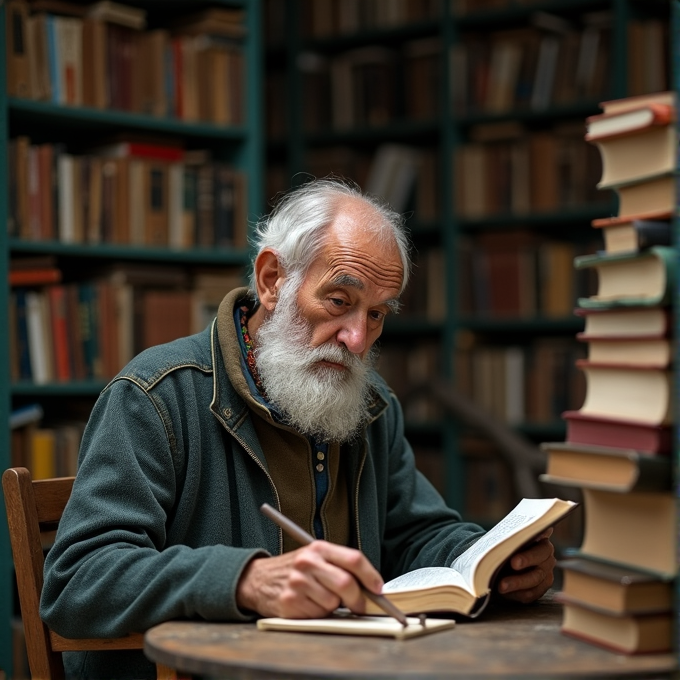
(356, 498)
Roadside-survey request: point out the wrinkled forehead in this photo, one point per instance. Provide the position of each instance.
(360, 249)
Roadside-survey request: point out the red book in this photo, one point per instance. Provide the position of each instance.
(600, 431)
(141, 150)
(34, 277)
(60, 332)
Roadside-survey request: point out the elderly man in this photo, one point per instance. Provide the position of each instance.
(275, 402)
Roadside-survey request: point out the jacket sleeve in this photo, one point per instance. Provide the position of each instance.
(112, 569)
(419, 529)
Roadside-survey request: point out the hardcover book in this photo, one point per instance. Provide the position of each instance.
(635, 528)
(625, 322)
(629, 234)
(614, 589)
(604, 467)
(628, 633)
(585, 428)
(628, 392)
(631, 279)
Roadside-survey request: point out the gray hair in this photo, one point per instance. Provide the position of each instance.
(297, 227)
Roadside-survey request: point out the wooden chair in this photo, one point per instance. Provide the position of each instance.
(34, 509)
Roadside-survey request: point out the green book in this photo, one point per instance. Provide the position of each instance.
(645, 278)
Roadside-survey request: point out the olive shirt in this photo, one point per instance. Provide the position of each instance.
(174, 465)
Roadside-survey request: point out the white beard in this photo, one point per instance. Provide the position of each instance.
(318, 401)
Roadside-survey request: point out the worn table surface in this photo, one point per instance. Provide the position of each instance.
(506, 642)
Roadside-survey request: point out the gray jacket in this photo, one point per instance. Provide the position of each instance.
(164, 514)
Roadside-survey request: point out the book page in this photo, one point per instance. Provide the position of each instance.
(427, 577)
(523, 515)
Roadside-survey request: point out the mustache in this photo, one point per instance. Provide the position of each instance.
(336, 354)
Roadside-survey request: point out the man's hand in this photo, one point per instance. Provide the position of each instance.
(529, 573)
(307, 583)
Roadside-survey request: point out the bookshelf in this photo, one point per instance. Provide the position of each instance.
(232, 140)
(480, 103)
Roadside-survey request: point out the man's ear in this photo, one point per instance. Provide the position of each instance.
(269, 276)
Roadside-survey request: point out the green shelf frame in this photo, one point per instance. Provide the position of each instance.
(83, 117)
(74, 388)
(124, 252)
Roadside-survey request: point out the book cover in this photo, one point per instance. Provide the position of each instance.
(25, 371)
(632, 235)
(631, 279)
(612, 588)
(34, 277)
(608, 125)
(615, 106)
(43, 453)
(156, 203)
(627, 634)
(39, 337)
(18, 73)
(61, 342)
(603, 467)
(584, 428)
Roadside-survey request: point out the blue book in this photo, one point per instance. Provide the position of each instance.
(25, 370)
(53, 56)
(89, 329)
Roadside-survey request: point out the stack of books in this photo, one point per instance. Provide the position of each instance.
(617, 589)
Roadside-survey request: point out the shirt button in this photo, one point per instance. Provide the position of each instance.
(320, 455)
(319, 467)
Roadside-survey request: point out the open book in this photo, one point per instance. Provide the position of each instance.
(465, 586)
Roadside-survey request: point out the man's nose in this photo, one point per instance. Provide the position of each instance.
(353, 334)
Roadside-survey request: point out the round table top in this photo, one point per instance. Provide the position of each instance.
(508, 641)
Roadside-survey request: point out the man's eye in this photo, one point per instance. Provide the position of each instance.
(377, 316)
(338, 302)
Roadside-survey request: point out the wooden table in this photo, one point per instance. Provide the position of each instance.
(507, 642)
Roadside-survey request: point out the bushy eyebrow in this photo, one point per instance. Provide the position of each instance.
(348, 280)
(353, 282)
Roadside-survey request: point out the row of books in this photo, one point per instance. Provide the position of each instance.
(617, 590)
(521, 383)
(47, 450)
(344, 17)
(371, 86)
(90, 329)
(505, 168)
(405, 176)
(553, 62)
(519, 274)
(463, 7)
(74, 55)
(403, 366)
(127, 192)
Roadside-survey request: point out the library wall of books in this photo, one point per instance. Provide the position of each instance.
(530, 144)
